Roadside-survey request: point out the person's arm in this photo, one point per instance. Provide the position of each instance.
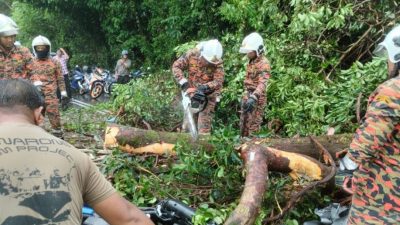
(216, 83)
(263, 76)
(179, 66)
(127, 63)
(65, 55)
(116, 70)
(380, 121)
(60, 78)
(118, 211)
(103, 198)
(28, 59)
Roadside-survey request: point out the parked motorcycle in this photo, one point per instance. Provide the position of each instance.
(96, 83)
(86, 81)
(139, 73)
(78, 80)
(108, 79)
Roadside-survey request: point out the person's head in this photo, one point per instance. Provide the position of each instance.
(211, 52)
(391, 47)
(20, 99)
(124, 54)
(41, 47)
(8, 32)
(252, 45)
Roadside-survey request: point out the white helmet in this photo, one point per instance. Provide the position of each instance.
(40, 40)
(7, 26)
(391, 45)
(252, 42)
(211, 51)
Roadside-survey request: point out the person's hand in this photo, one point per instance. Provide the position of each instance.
(347, 184)
(64, 94)
(250, 104)
(204, 88)
(345, 163)
(64, 100)
(184, 84)
(190, 91)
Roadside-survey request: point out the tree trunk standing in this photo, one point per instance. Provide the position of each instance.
(130, 139)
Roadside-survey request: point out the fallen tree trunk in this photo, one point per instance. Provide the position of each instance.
(135, 140)
(260, 159)
(256, 180)
(132, 139)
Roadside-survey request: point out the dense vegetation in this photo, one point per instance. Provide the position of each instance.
(315, 47)
(320, 52)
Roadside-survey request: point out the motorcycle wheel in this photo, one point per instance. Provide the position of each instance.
(81, 91)
(108, 88)
(96, 90)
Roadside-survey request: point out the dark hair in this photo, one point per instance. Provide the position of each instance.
(17, 92)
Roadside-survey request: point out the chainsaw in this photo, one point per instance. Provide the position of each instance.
(192, 106)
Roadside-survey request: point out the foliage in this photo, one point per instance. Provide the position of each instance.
(82, 120)
(80, 40)
(309, 43)
(151, 99)
(320, 53)
(211, 182)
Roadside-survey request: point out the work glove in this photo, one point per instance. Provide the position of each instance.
(347, 167)
(250, 104)
(204, 88)
(64, 94)
(64, 100)
(198, 99)
(184, 84)
(346, 163)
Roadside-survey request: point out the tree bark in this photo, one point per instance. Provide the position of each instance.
(259, 159)
(256, 180)
(133, 140)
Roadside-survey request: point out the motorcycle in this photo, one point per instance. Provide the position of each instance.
(86, 81)
(78, 80)
(138, 73)
(96, 83)
(109, 81)
(166, 212)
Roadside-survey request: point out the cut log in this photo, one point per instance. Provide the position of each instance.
(258, 160)
(256, 180)
(129, 138)
(135, 140)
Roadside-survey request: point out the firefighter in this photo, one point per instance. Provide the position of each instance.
(205, 76)
(375, 148)
(46, 73)
(258, 72)
(14, 59)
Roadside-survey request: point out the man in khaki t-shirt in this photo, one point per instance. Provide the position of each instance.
(43, 179)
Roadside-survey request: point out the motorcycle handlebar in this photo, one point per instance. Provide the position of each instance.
(166, 212)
